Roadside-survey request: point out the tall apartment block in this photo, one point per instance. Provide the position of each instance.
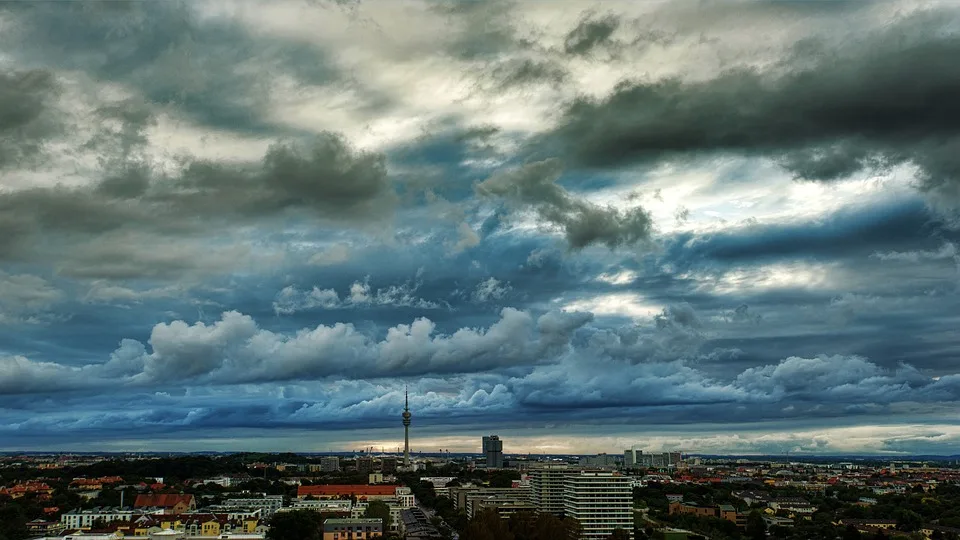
(600, 501)
(546, 487)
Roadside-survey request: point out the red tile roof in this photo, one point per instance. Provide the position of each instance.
(346, 490)
(162, 500)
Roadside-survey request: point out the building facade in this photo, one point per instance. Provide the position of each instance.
(600, 501)
(493, 451)
(636, 458)
(84, 519)
(546, 487)
(268, 504)
(330, 464)
(352, 529)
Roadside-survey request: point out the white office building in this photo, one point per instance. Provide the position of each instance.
(600, 501)
(268, 504)
(83, 519)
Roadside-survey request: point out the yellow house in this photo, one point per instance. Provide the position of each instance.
(211, 528)
(250, 525)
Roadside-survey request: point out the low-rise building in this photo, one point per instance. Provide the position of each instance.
(792, 505)
(85, 519)
(777, 521)
(359, 510)
(928, 531)
(360, 491)
(417, 526)
(868, 525)
(351, 529)
(319, 505)
(266, 504)
(170, 503)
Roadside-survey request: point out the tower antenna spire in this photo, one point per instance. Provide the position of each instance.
(406, 427)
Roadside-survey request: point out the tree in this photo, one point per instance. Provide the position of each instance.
(379, 510)
(13, 521)
(487, 525)
(756, 528)
(851, 533)
(297, 525)
(619, 534)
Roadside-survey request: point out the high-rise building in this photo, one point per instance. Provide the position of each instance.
(329, 464)
(600, 502)
(388, 465)
(493, 451)
(365, 465)
(546, 487)
(406, 429)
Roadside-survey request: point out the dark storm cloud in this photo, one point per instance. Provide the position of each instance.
(26, 120)
(853, 232)
(213, 71)
(591, 32)
(876, 102)
(522, 72)
(482, 30)
(583, 223)
(322, 178)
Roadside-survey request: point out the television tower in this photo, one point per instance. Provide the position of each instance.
(406, 428)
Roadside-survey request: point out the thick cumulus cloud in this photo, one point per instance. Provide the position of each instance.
(236, 350)
(877, 101)
(582, 222)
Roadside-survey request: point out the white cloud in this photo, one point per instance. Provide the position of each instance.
(947, 251)
(489, 290)
(291, 300)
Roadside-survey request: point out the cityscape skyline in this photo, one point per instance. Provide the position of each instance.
(725, 227)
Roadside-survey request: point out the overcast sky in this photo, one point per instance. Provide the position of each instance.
(721, 227)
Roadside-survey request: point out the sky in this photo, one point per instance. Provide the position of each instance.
(708, 226)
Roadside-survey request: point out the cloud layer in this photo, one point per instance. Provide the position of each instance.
(731, 227)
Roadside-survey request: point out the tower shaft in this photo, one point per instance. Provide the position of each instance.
(406, 428)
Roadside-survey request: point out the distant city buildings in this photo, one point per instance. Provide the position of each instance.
(493, 451)
(634, 458)
(604, 461)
